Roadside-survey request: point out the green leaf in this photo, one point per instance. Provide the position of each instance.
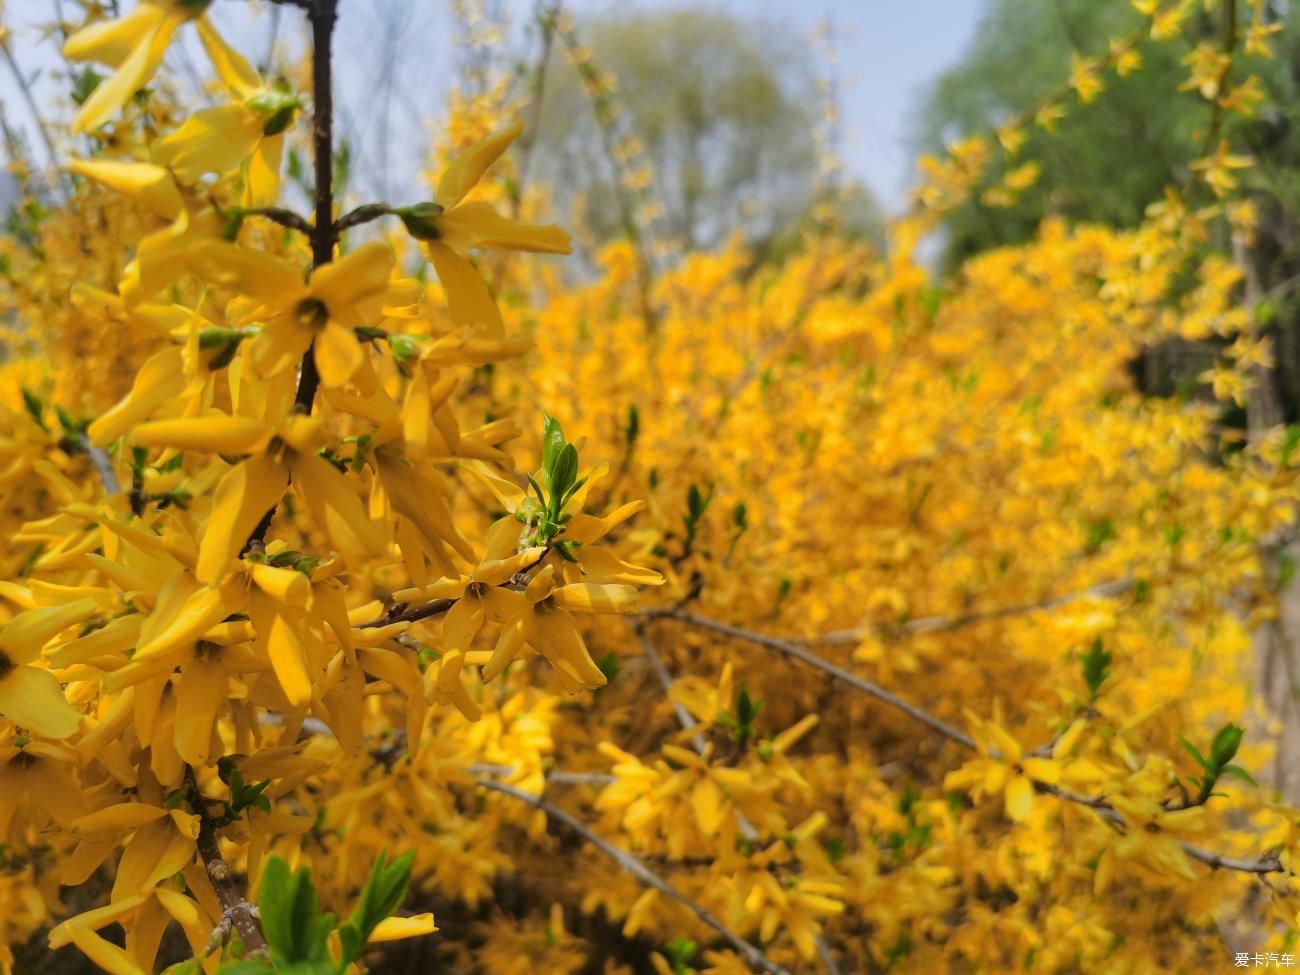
(552, 443)
(572, 491)
(405, 347)
(739, 517)
(275, 902)
(633, 425)
(746, 709)
(1226, 742)
(85, 85)
(382, 895)
(695, 503)
(420, 220)
(563, 474)
(1237, 772)
(680, 951)
(32, 403)
(351, 942)
(609, 665)
(1096, 669)
(249, 966)
(1191, 750)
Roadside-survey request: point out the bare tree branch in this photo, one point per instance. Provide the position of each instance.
(632, 865)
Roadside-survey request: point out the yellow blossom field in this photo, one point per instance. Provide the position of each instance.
(384, 589)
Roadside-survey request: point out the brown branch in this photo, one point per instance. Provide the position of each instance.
(235, 909)
(548, 17)
(324, 235)
(1217, 112)
(938, 624)
(688, 722)
(362, 214)
(403, 613)
(1263, 865)
(30, 101)
(642, 264)
(755, 958)
(825, 666)
(323, 15)
(282, 216)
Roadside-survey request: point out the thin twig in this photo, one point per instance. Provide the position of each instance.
(938, 624)
(1263, 865)
(632, 865)
(812, 660)
(362, 214)
(324, 235)
(32, 108)
(102, 463)
(688, 722)
(242, 915)
(684, 717)
(284, 217)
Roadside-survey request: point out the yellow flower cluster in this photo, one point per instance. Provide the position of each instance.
(940, 614)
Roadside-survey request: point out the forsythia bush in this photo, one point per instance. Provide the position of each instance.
(816, 617)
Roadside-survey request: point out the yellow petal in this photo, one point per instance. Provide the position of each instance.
(706, 800)
(24, 636)
(397, 928)
(215, 432)
(451, 688)
(157, 851)
(359, 277)
(464, 172)
(94, 919)
(112, 41)
(119, 816)
(149, 185)
(468, 301)
(103, 953)
(461, 624)
(585, 597)
(289, 661)
(289, 587)
(336, 507)
(1020, 798)
(183, 614)
(212, 140)
(32, 698)
(475, 225)
(116, 637)
(559, 641)
(339, 354)
(133, 74)
(262, 175)
(273, 281)
(236, 74)
(418, 498)
(600, 565)
(513, 636)
(200, 696)
(246, 493)
(160, 379)
(280, 345)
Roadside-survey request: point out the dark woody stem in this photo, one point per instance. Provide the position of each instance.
(324, 233)
(235, 909)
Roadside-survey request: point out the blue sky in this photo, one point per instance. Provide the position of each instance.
(888, 50)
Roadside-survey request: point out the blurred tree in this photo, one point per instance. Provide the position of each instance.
(725, 110)
(1110, 159)
(1106, 161)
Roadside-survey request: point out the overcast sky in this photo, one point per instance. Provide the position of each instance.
(888, 50)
